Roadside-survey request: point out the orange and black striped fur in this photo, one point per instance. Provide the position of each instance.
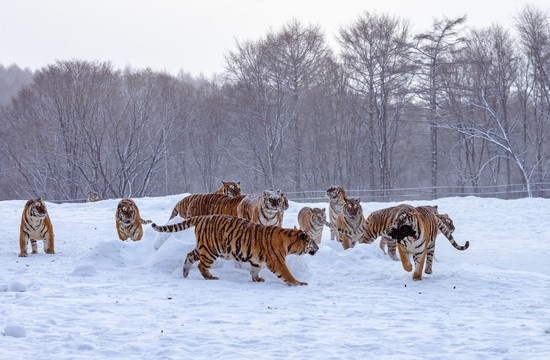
(35, 225)
(426, 226)
(229, 188)
(264, 209)
(352, 221)
(381, 221)
(128, 220)
(337, 196)
(211, 204)
(312, 220)
(242, 240)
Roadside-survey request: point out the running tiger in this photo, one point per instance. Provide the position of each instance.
(352, 221)
(242, 240)
(229, 188)
(312, 220)
(128, 220)
(426, 226)
(337, 197)
(263, 209)
(35, 225)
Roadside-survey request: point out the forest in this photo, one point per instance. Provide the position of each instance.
(387, 113)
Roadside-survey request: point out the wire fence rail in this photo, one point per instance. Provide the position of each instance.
(511, 191)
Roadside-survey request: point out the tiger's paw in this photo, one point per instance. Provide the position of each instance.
(428, 271)
(23, 254)
(296, 283)
(258, 279)
(50, 251)
(417, 277)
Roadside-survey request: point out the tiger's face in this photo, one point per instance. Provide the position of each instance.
(126, 211)
(406, 216)
(335, 192)
(231, 188)
(37, 208)
(352, 209)
(284, 200)
(318, 216)
(271, 200)
(303, 245)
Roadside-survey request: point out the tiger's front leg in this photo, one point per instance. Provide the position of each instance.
(404, 258)
(254, 271)
(48, 244)
(23, 240)
(282, 272)
(430, 257)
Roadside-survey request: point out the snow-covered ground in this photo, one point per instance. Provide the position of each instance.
(101, 298)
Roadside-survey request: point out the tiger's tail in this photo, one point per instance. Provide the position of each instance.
(186, 224)
(145, 222)
(445, 231)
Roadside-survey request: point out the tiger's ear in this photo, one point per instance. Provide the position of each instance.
(435, 206)
(29, 203)
(224, 182)
(303, 236)
(266, 193)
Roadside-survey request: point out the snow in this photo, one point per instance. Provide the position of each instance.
(101, 298)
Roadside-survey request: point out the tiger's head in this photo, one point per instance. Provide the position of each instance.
(271, 200)
(36, 208)
(231, 188)
(336, 193)
(126, 211)
(405, 216)
(447, 221)
(352, 209)
(318, 216)
(303, 244)
(284, 200)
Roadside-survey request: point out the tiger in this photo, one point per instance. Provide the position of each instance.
(239, 239)
(385, 239)
(284, 207)
(263, 209)
(350, 219)
(337, 196)
(312, 220)
(128, 220)
(35, 225)
(93, 197)
(426, 226)
(212, 204)
(229, 188)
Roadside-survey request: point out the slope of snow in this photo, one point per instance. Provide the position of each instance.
(101, 298)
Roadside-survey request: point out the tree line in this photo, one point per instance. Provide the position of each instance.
(388, 114)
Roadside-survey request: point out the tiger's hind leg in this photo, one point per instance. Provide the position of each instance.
(205, 262)
(48, 244)
(192, 257)
(430, 257)
(419, 259)
(254, 271)
(332, 236)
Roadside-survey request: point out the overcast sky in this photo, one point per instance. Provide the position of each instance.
(194, 36)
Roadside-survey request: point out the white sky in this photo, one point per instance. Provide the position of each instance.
(194, 36)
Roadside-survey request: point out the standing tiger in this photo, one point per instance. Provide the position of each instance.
(35, 225)
(352, 221)
(337, 196)
(239, 239)
(229, 188)
(426, 226)
(128, 220)
(264, 209)
(312, 220)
